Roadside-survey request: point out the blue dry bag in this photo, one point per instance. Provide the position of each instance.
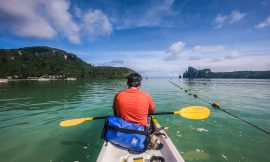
(126, 134)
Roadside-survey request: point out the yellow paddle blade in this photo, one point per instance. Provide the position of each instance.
(194, 112)
(72, 122)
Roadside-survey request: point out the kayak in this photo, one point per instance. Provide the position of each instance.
(168, 153)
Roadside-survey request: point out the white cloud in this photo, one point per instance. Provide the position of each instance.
(208, 49)
(215, 60)
(236, 16)
(77, 12)
(194, 58)
(50, 19)
(154, 13)
(170, 58)
(152, 63)
(251, 63)
(154, 16)
(234, 54)
(233, 17)
(176, 48)
(165, 68)
(220, 21)
(61, 19)
(96, 23)
(22, 18)
(38, 19)
(36, 28)
(263, 24)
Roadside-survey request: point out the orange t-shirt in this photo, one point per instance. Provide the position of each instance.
(133, 105)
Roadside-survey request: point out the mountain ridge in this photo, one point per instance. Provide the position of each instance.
(207, 73)
(38, 61)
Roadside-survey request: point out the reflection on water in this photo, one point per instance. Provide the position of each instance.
(196, 155)
(30, 112)
(82, 144)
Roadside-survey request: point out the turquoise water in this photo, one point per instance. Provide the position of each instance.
(30, 112)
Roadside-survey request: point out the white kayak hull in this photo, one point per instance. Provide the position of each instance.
(113, 153)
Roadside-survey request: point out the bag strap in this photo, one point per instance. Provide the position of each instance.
(124, 130)
(104, 129)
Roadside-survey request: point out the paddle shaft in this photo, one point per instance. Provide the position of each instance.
(190, 112)
(100, 117)
(162, 113)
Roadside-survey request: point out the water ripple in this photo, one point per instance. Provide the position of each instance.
(22, 123)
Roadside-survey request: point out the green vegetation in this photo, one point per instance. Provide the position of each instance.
(206, 73)
(39, 61)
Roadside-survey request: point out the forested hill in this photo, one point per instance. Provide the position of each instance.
(207, 73)
(38, 61)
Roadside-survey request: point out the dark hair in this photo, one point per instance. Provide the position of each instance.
(134, 80)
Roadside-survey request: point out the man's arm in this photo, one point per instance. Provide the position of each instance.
(151, 105)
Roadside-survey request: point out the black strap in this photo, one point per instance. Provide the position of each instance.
(124, 130)
(104, 129)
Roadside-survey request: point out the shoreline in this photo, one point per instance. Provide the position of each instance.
(74, 79)
(38, 79)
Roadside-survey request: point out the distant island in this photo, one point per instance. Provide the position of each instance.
(46, 62)
(207, 73)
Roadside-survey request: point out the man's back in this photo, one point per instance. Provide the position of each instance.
(133, 105)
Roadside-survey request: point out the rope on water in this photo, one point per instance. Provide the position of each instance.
(217, 106)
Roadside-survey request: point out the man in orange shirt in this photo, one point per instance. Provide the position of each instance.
(132, 104)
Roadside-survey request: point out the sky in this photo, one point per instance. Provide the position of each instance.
(152, 37)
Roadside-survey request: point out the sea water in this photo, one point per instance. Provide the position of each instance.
(30, 112)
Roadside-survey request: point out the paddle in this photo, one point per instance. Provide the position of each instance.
(190, 112)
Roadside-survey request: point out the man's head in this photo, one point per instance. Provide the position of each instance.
(134, 80)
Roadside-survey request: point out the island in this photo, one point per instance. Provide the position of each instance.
(207, 73)
(41, 62)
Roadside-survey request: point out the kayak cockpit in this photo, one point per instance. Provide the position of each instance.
(168, 153)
